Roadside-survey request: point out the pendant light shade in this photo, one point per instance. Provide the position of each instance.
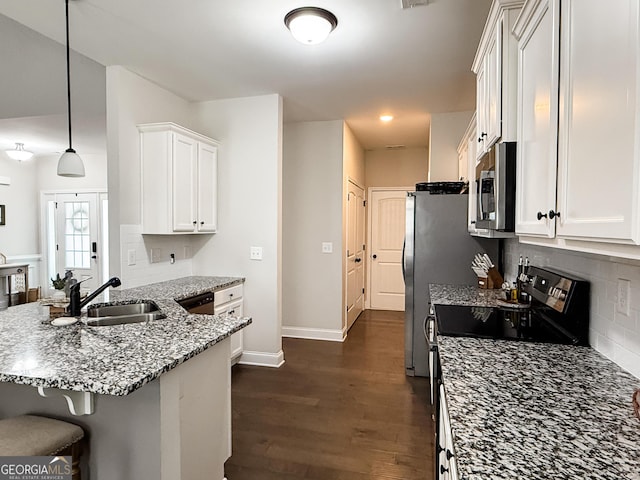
(310, 25)
(19, 153)
(70, 163)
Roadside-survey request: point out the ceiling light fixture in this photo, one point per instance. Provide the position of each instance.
(310, 25)
(70, 163)
(386, 118)
(19, 153)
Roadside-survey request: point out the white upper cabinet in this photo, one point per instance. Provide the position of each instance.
(599, 135)
(579, 151)
(495, 66)
(179, 180)
(537, 126)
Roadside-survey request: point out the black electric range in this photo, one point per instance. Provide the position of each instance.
(558, 313)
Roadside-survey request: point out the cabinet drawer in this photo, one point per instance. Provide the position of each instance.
(227, 295)
(233, 308)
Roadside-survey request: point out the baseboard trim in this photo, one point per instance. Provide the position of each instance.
(262, 359)
(315, 333)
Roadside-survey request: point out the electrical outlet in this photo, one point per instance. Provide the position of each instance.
(156, 255)
(624, 294)
(327, 247)
(131, 257)
(255, 253)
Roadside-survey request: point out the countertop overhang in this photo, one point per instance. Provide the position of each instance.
(114, 360)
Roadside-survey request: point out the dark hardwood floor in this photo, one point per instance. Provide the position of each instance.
(334, 411)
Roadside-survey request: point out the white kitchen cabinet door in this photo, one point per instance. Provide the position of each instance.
(207, 178)
(599, 134)
(237, 339)
(537, 32)
(179, 180)
(481, 111)
(185, 157)
(496, 69)
(493, 90)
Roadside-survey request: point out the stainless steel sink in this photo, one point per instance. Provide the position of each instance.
(106, 315)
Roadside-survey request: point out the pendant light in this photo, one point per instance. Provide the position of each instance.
(70, 163)
(310, 25)
(19, 153)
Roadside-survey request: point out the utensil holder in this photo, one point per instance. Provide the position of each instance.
(494, 279)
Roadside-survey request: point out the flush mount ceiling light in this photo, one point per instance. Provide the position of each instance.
(310, 25)
(70, 163)
(19, 153)
(386, 118)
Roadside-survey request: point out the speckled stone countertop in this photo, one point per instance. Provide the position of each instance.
(112, 360)
(539, 411)
(442, 294)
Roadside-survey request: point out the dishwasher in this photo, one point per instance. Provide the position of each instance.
(202, 304)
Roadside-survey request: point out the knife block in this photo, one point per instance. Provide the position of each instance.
(493, 280)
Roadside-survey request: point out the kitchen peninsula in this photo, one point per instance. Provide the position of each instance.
(161, 389)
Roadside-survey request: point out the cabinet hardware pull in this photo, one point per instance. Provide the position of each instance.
(449, 454)
(541, 215)
(195, 223)
(443, 470)
(357, 260)
(201, 223)
(375, 256)
(553, 214)
(231, 294)
(232, 312)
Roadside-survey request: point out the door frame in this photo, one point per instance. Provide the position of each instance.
(369, 228)
(101, 194)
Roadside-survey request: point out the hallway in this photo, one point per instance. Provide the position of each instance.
(334, 411)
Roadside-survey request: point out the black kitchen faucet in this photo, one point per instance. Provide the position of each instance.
(75, 305)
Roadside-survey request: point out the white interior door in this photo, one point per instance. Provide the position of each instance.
(76, 232)
(355, 252)
(387, 235)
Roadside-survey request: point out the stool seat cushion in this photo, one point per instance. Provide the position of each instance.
(34, 435)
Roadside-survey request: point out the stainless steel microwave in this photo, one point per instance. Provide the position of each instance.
(496, 188)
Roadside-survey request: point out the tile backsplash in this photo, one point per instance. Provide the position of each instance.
(146, 271)
(613, 333)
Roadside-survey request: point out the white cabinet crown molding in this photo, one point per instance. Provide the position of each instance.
(174, 127)
(497, 8)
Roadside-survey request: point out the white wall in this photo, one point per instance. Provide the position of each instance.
(132, 100)
(312, 214)
(613, 334)
(95, 167)
(249, 213)
(396, 168)
(445, 133)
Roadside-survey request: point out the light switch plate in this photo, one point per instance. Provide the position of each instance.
(327, 247)
(255, 253)
(131, 257)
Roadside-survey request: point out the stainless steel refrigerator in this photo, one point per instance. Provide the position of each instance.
(438, 249)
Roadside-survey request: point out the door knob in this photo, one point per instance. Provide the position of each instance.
(553, 214)
(375, 256)
(541, 215)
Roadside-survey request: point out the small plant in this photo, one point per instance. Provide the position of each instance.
(58, 283)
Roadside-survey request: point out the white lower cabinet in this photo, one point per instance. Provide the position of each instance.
(229, 302)
(578, 122)
(446, 464)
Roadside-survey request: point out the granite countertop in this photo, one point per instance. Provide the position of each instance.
(112, 360)
(539, 411)
(470, 295)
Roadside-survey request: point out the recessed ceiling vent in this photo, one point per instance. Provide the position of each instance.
(395, 147)
(414, 3)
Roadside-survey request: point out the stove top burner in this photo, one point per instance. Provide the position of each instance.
(495, 323)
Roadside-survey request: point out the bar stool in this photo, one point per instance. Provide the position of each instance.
(31, 435)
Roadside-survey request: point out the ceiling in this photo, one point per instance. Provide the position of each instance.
(381, 58)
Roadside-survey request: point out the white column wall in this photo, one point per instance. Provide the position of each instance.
(249, 213)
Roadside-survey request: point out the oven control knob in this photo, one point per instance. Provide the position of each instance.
(563, 296)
